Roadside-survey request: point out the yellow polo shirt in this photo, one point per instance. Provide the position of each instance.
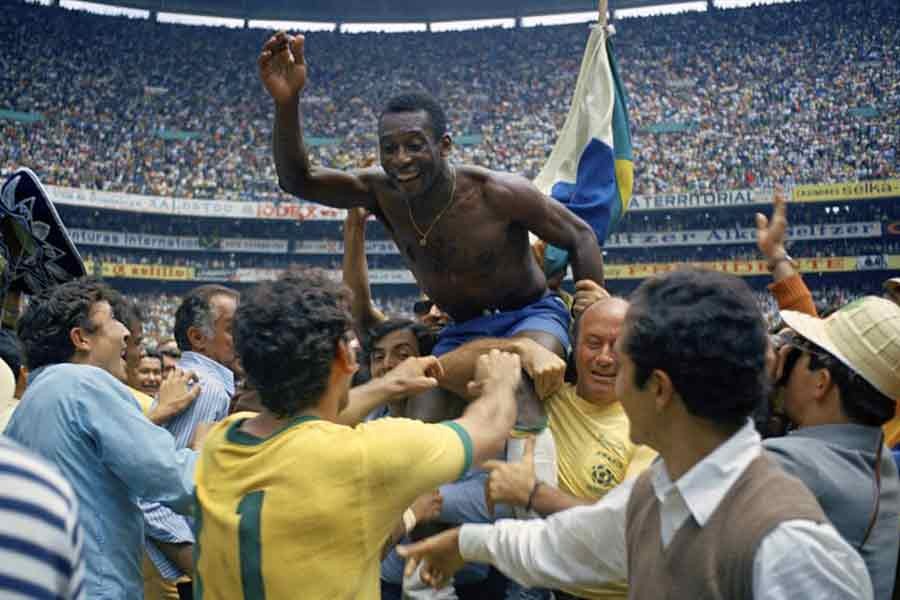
(306, 512)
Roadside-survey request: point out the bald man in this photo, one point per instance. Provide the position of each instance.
(593, 447)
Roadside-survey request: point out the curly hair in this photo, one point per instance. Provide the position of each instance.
(44, 327)
(286, 333)
(416, 101)
(705, 331)
(195, 310)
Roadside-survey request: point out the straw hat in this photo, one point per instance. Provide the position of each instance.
(892, 285)
(864, 335)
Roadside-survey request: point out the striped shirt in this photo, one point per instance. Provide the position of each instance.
(40, 538)
(217, 388)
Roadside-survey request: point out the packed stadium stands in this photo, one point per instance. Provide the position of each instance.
(800, 93)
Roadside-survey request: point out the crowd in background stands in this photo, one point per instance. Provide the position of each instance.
(806, 92)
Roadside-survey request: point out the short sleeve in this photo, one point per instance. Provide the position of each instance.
(406, 458)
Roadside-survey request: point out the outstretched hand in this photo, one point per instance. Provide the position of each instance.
(439, 556)
(508, 482)
(413, 376)
(770, 234)
(176, 393)
(282, 66)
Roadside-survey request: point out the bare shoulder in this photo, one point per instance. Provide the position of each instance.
(501, 186)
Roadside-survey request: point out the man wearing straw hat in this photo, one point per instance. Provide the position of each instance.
(841, 377)
(892, 290)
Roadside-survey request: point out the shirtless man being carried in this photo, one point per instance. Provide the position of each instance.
(462, 231)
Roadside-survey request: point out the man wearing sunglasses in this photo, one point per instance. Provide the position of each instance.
(841, 379)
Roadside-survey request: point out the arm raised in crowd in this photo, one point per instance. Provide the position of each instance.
(356, 272)
(788, 287)
(282, 68)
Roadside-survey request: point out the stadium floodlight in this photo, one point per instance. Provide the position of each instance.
(291, 25)
(189, 19)
(561, 19)
(661, 9)
(382, 27)
(472, 24)
(747, 3)
(40, 2)
(103, 9)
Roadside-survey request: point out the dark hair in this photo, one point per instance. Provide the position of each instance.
(11, 351)
(149, 353)
(414, 102)
(705, 331)
(129, 312)
(862, 402)
(44, 327)
(424, 337)
(286, 333)
(195, 310)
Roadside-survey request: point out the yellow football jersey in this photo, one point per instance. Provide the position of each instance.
(305, 512)
(594, 453)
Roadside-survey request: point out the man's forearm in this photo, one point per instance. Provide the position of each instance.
(363, 400)
(291, 157)
(459, 365)
(548, 500)
(587, 258)
(356, 275)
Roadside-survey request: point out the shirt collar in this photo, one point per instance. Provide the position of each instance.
(704, 486)
(192, 360)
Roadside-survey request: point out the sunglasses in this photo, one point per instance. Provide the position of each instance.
(422, 307)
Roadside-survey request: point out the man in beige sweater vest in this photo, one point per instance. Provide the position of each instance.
(712, 517)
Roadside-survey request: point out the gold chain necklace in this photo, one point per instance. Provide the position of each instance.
(423, 235)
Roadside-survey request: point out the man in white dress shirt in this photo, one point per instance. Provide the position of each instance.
(712, 517)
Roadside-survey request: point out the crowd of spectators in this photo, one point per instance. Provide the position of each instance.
(804, 92)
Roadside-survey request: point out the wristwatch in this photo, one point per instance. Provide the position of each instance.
(780, 259)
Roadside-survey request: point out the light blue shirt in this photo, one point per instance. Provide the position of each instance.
(88, 424)
(211, 406)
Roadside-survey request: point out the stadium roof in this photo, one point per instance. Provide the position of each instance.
(373, 10)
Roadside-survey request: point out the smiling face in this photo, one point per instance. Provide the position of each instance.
(410, 154)
(149, 373)
(391, 350)
(106, 341)
(596, 361)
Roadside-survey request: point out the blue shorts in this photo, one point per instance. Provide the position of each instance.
(549, 314)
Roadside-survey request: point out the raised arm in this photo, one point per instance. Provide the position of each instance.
(522, 202)
(356, 272)
(282, 68)
(788, 287)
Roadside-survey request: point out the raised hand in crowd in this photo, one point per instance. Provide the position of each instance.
(587, 292)
(771, 234)
(413, 376)
(511, 482)
(176, 393)
(282, 67)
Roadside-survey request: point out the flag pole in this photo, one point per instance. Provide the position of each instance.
(603, 9)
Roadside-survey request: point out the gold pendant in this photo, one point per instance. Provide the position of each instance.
(422, 242)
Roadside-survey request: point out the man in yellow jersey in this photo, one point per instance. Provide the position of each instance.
(593, 449)
(292, 504)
